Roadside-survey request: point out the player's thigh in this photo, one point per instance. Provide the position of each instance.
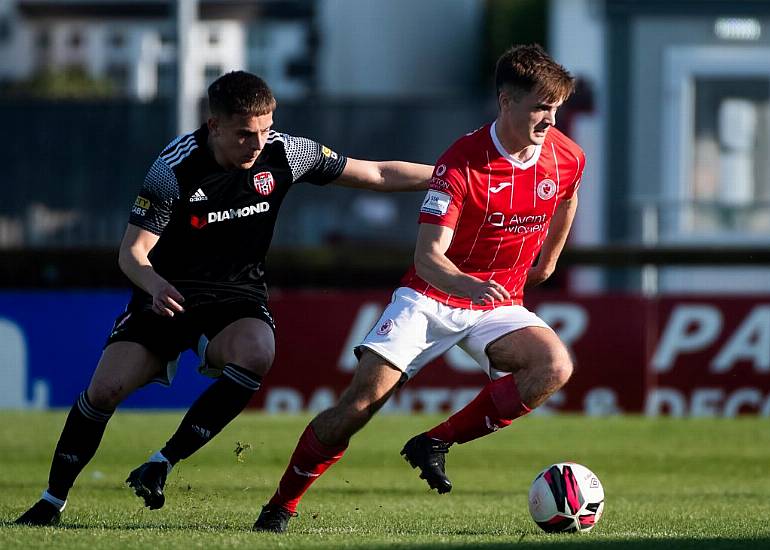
(123, 367)
(530, 347)
(414, 330)
(247, 342)
(374, 380)
(509, 338)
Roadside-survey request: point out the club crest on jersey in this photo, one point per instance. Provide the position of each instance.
(546, 189)
(264, 183)
(385, 327)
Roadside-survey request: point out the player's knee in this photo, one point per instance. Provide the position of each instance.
(258, 363)
(560, 368)
(105, 397)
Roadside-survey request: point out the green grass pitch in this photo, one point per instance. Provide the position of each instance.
(670, 484)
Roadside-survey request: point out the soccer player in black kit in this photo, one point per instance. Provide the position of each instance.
(194, 250)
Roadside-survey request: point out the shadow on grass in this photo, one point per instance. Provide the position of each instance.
(521, 542)
(583, 542)
(214, 489)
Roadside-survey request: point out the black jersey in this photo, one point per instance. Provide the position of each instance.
(215, 225)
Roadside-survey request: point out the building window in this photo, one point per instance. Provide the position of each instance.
(211, 73)
(117, 40)
(167, 38)
(43, 40)
(730, 185)
(166, 79)
(214, 37)
(76, 40)
(6, 30)
(118, 74)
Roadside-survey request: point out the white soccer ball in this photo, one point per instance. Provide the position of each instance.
(565, 498)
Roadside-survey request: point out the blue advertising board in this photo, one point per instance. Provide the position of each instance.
(50, 343)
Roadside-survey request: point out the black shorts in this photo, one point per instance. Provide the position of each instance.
(167, 337)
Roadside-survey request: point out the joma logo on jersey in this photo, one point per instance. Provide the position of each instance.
(233, 213)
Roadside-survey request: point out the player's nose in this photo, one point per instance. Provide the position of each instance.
(257, 142)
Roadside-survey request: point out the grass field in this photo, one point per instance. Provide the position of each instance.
(669, 484)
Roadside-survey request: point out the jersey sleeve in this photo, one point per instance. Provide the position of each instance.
(153, 206)
(446, 193)
(312, 162)
(575, 184)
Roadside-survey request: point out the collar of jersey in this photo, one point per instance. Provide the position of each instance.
(509, 157)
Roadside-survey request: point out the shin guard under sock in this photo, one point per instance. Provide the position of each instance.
(212, 411)
(496, 406)
(77, 445)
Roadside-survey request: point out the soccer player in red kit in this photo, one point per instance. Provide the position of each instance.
(499, 197)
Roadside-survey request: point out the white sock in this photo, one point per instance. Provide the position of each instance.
(59, 503)
(158, 457)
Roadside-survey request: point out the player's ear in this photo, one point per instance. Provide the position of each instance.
(213, 125)
(503, 100)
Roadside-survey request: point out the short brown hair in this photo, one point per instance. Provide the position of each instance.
(528, 67)
(240, 93)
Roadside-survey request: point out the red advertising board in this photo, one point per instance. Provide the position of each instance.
(673, 355)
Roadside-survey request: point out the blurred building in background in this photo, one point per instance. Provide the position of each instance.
(370, 79)
(679, 141)
(133, 44)
(672, 110)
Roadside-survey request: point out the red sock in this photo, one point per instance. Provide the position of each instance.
(311, 458)
(496, 406)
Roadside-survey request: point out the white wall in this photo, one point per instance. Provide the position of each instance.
(576, 40)
(398, 47)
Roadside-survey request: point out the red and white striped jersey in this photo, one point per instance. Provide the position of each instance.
(498, 207)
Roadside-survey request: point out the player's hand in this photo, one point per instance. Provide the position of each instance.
(166, 300)
(487, 292)
(537, 274)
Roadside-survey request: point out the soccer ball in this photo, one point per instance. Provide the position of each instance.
(565, 498)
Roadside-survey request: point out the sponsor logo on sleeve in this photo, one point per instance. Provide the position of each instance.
(436, 203)
(546, 189)
(438, 183)
(141, 205)
(264, 183)
(440, 170)
(328, 153)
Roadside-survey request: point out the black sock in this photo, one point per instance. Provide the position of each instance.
(77, 445)
(212, 411)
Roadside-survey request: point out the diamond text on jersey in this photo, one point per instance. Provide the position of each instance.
(233, 213)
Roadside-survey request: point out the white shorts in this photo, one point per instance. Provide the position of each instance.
(414, 329)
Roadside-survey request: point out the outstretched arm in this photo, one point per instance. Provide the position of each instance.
(133, 261)
(433, 266)
(554, 242)
(385, 176)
